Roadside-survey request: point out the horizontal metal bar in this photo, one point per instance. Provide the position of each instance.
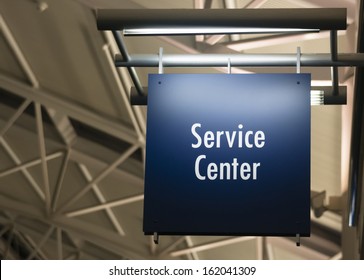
(320, 18)
(240, 60)
(329, 97)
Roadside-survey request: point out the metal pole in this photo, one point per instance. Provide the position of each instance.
(240, 60)
(60, 179)
(132, 72)
(14, 117)
(106, 205)
(29, 164)
(334, 69)
(42, 151)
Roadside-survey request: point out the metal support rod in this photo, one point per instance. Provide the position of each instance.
(132, 72)
(153, 246)
(86, 173)
(156, 238)
(298, 240)
(123, 95)
(298, 58)
(172, 246)
(41, 243)
(42, 151)
(356, 148)
(240, 60)
(106, 205)
(211, 245)
(160, 64)
(18, 53)
(32, 245)
(14, 117)
(260, 247)
(229, 66)
(125, 80)
(59, 243)
(337, 256)
(100, 176)
(270, 251)
(25, 172)
(60, 179)
(334, 57)
(29, 164)
(190, 245)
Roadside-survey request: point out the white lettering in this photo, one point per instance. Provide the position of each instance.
(259, 139)
(194, 133)
(247, 143)
(212, 171)
(212, 139)
(224, 170)
(230, 139)
(197, 167)
(209, 139)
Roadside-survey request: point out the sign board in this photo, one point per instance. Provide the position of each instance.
(228, 154)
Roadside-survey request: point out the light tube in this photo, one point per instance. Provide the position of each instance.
(210, 30)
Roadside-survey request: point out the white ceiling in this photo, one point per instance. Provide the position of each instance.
(58, 59)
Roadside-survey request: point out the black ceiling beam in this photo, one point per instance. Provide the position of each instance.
(316, 18)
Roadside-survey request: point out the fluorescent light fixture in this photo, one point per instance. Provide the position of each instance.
(317, 97)
(210, 30)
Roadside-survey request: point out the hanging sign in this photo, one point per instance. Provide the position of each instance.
(228, 154)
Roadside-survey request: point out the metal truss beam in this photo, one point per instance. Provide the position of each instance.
(107, 239)
(106, 205)
(109, 212)
(100, 176)
(38, 190)
(14, 117)
(28, 164)
(211, 245)
(41, 242)
(42, 151)
(102, 123)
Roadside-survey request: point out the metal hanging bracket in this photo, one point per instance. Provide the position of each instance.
(298, 240)
(298, 63)
(156, 238)
(160, 64)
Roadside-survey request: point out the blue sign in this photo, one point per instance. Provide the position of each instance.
(228, 154)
